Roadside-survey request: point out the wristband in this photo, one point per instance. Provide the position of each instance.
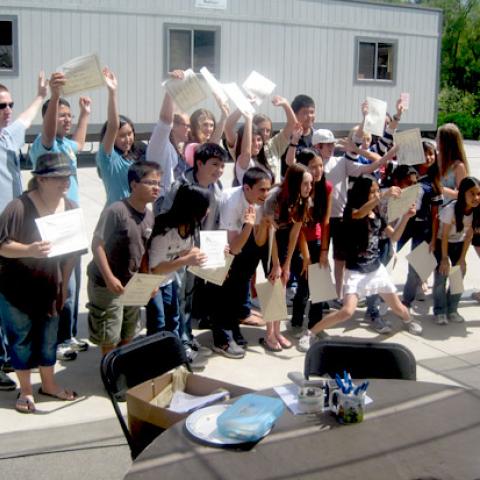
(293, 145)
(396, 117)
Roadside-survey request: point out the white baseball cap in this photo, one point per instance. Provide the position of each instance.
(323, 135)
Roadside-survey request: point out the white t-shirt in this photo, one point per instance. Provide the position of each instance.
(233, 208)
(165, 248)
(447, 216)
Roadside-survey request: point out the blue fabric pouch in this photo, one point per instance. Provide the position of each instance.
(250, 418)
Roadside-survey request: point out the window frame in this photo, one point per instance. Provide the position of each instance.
(192, 28)
(14, 72)
(376, 40)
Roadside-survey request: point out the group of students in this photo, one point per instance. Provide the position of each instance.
(291, 194)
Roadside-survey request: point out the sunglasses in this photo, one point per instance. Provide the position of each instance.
(5, 105)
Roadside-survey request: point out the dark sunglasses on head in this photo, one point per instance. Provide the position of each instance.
(5, 105)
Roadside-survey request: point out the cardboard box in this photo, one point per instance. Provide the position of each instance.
(146, 421)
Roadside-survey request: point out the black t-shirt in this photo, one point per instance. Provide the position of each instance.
(125, 232)
(305, 141)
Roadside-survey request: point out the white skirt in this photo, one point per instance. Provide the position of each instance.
(366, 284)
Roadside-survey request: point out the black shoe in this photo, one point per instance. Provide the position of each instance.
(6, 383)
(7, 367)
(240, 340)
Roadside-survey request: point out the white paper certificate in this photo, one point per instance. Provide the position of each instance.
(213, 243)
(375, 120)
(422, 261)
(138, 290)
(410, 150)
(258, 86)
(238, 98)
(66, 231)
(273, 304)
(320, 284)
(214, 275)
(455, 280)
(397, 207)
(214, 84)
(186, 93)
(82, 73)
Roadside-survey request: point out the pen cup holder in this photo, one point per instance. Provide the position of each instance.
(347, 407)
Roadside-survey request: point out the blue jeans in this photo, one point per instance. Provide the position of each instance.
(67, 326)
(186, 283)
(163, 311)
(32, 343)
(3, 347)
(443, 301)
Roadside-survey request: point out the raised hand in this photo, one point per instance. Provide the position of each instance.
(249, 215)
(57, 81)
(110, 79)
(85, 105)
(42, 85)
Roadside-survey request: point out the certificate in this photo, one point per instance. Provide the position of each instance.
(375, 119)
(139, 289)
(238, 98)
(186, 93)
(397, 207)
(213, 275)
(320, 284)
(273, 303)
(82, 73)
(214, 84)
(455, 280)
(410, 150)
(213, 243)
(423, 261)
(258, 87)
(66, 231)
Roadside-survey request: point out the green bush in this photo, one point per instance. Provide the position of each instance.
(468, 124)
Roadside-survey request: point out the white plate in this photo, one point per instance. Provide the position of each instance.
(202, 424)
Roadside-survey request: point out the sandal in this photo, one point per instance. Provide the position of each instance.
(284, 342)
(269, 347)
(25, 404)
(63, 395)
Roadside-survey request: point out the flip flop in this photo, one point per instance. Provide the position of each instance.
(25, 404)
(63, 395)
(264, 343)
(284, 343)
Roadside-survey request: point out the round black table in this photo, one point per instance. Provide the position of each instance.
(412, 430)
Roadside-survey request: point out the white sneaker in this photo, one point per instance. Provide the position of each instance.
(455, 317)
(76, 345)
(414, 327)
(65, 352)
(441, 319)
(305, 341)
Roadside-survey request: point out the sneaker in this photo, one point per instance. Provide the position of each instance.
(6, 383)
(441, 319)
(414, 328)
(336, 304)
(7, 367)
(198, 347)
(380, 326)
(195, 359)
(382, 309)
(65, 352)
(76, 345)
(455, 317)
(240, 340)
(230, 350)
(305, 341)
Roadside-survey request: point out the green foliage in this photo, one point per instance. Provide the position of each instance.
(453, 100)
(468, 125)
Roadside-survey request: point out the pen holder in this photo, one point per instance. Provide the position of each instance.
(347, 407)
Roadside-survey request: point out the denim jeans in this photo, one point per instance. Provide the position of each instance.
(186, 282)
(443, 301)
(67, 326)
(163, 311)
(32, 343)
(302, 294)
(3, 347)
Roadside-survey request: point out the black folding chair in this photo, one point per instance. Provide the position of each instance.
(135, 363)
(360, 359)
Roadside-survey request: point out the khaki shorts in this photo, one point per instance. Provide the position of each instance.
(109, 321)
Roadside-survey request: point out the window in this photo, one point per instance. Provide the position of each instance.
(8, 45)
(375, 60)
(192, 47)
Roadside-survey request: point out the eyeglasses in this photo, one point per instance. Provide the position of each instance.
(151, 183)
(5, 105)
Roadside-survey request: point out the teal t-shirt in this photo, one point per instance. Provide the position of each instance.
(70, 149)
(113, 169)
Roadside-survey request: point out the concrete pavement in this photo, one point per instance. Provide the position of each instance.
(82, 438)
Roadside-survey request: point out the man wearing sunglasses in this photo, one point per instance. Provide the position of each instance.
(12, 138)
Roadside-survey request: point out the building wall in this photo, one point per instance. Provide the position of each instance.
(304, 46)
